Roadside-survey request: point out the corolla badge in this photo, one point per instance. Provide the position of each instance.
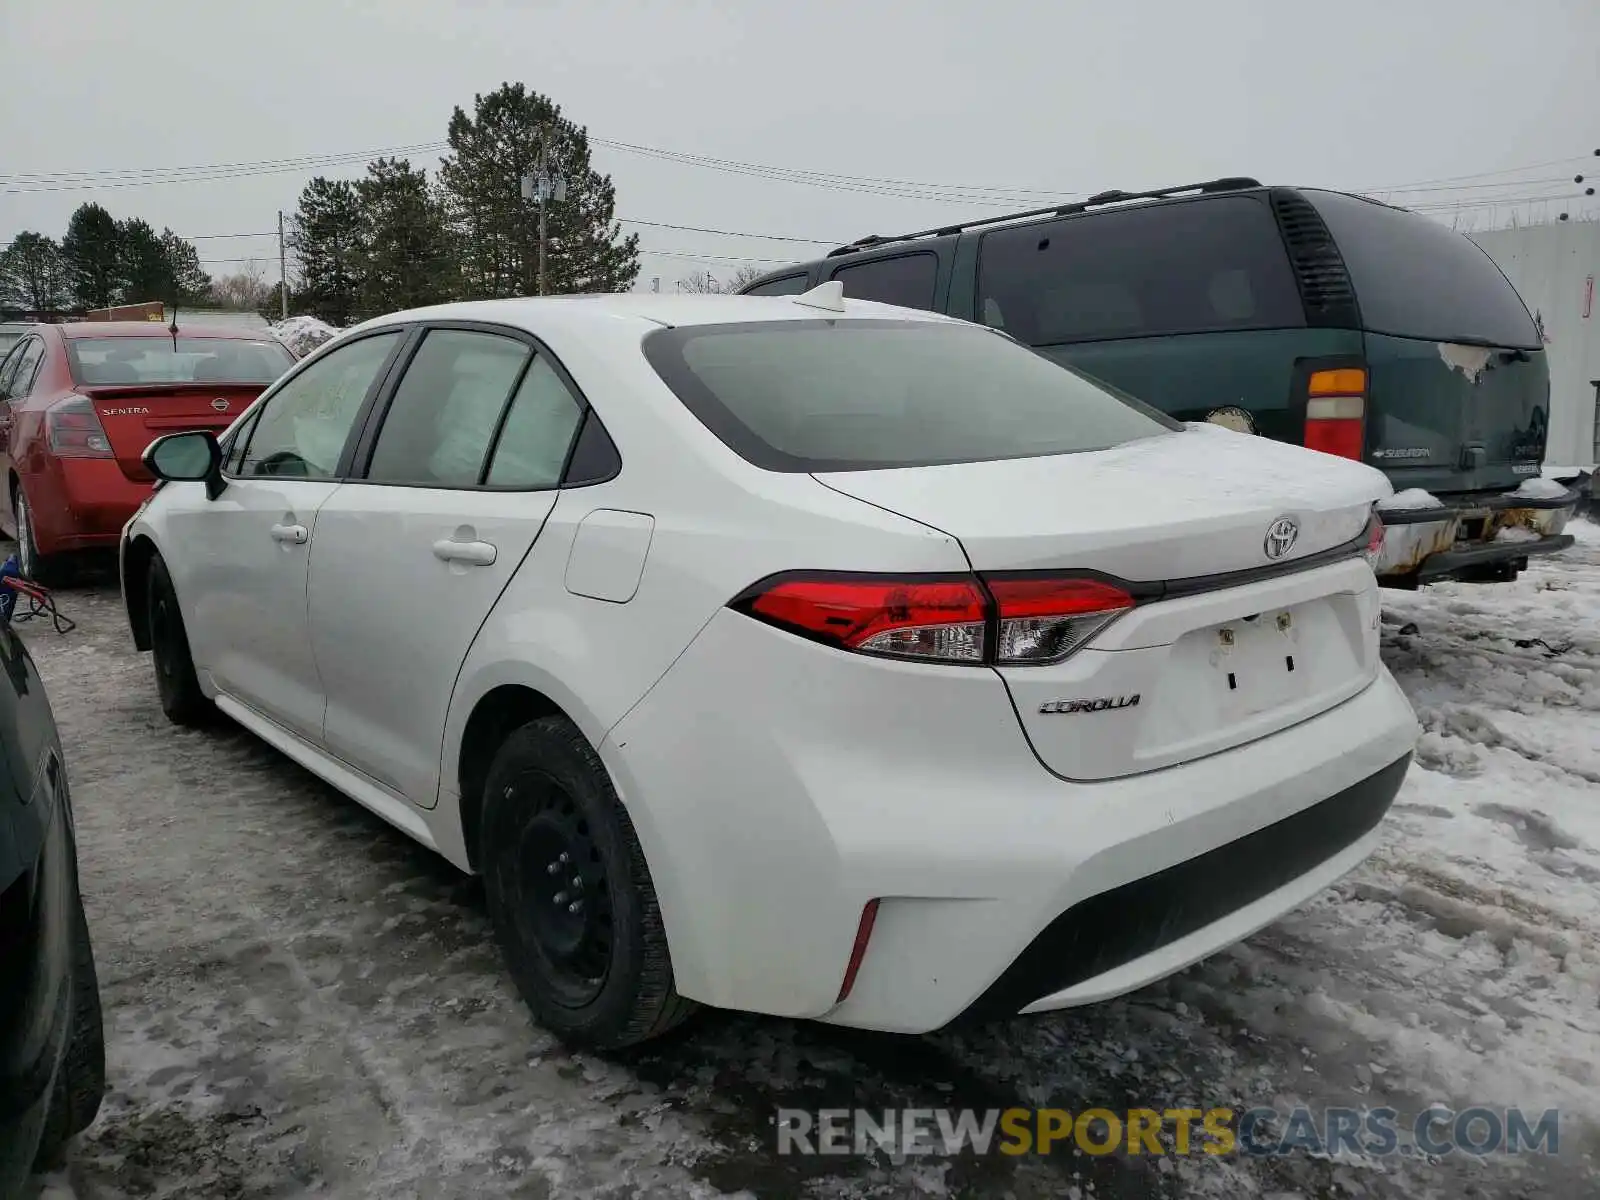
(1281, 535)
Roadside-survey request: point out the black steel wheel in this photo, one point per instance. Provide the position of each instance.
(570, 894)
(176, 683)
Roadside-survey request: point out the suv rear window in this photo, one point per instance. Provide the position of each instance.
(1193, 267)
(859, 395)
(1414, 278)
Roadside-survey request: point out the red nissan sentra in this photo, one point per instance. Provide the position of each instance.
(80, 402)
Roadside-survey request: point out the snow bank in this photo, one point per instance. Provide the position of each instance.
(303, 334)
(1539, 488)
(1410, 500)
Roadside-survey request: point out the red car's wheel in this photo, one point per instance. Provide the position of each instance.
(47, 569)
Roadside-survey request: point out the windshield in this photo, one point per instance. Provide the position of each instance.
(857, 395)
(134, 360)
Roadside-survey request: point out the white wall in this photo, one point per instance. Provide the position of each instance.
(1556, 267)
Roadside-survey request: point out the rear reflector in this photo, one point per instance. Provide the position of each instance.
(73, 429)
(869, 916)
(1336, 412)
(1001, 620)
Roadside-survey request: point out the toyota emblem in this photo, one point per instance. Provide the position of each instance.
(1280, 537)
(220, 404)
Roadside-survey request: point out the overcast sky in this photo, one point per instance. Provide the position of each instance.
(999, 104)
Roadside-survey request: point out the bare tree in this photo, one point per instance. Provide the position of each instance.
(709, 284)
(246, 289)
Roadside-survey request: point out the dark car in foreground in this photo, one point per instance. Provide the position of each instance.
(1308, 316)
(52, 1053)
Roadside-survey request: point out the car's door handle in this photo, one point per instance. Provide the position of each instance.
(295, 534)
(479, 554)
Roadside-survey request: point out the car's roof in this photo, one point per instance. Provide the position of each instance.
(120, 329)
(666, 310)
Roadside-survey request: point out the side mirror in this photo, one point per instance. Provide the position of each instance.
(191, 457)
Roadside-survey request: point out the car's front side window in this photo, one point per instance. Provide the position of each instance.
(303, 427)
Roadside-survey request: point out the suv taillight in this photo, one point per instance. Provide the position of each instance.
(1001, 620)
(1336, 412)
(73, 429)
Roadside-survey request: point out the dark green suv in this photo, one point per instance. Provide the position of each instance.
(1304, 315)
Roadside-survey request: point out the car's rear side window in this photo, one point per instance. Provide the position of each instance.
(1195, 267)
(820, 395)
(1415, 278)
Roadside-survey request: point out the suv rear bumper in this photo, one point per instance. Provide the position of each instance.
(1486, 535)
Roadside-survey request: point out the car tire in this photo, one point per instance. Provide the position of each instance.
(47, 569)
(81, 1080)
(176, 683)
(570, 895)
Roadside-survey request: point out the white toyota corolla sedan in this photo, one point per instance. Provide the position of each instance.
(791, 654)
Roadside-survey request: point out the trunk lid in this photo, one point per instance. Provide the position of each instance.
(134, 415)
(1207, 665)
(1175, 506)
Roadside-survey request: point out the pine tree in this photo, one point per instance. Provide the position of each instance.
(326, 240)
(191, 284)
(490, 152)
(405, 257)
(91, 256)
(32, 275)
(143, 271)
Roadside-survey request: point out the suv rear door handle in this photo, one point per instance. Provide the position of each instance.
(478, 554)
(294, 534)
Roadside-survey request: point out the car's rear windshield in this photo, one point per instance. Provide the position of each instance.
(108, 361)
(865, 394)
(1415, 278)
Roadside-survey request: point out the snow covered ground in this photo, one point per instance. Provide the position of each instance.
(302, 1002)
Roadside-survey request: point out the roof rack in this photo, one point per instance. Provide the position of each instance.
(1232, 184)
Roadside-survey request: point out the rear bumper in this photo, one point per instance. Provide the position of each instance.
(771, 815)
(1471, 535)
(82, 504)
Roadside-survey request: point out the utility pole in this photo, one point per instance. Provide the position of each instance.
(544, 199)
(543, 188)
(283, 271)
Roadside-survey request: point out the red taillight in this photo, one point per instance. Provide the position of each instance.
(869, 915)
(1035, 619)
(1042, 620)
(1336, 412)
(1374, 548)
(73, 430)
(936, 620)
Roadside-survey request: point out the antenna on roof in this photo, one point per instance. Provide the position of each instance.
(173, 328)
(828, 296)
